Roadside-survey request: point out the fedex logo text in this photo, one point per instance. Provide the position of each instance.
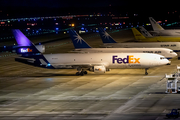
(23, 50)
(129, 59)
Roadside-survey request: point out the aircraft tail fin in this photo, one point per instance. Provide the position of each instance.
(25, 46)
(144, 32)
(77, 40)
(155, 25)
(137, 34)
(106, 38)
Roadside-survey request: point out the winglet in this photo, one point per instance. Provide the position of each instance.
(77, 40)
(144, 32)
(106, 38)
(137, 34)
(155, 25)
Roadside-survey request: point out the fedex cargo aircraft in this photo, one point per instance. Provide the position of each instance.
(95, 62)
(81, 46)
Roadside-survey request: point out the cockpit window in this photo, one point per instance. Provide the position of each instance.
(171, 51)
(162, 58)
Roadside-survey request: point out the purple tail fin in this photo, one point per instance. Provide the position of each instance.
(21, 39)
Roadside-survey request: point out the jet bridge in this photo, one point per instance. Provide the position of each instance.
(173, 82)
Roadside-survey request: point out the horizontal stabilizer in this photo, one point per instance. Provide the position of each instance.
(42, 62)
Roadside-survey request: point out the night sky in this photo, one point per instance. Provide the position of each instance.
(88, 3)
(65, 3)
(82, 6)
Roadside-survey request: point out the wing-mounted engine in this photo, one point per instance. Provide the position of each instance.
(98, 69)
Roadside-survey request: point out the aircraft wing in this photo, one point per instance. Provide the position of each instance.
(83, 65)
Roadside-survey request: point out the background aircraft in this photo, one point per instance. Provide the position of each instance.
(138, 36)
(160, 31)
(144, 32)
(80, 45)
(175, 46)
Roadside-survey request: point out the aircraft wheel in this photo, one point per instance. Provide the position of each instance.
(77, 73)
(85, 72)
(146, 73)
(82, 73)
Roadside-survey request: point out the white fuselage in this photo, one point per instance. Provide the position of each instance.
(168, 53)
(175, 32)
(109, 60)
(175, 46)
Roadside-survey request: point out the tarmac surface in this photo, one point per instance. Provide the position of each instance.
(32, 93)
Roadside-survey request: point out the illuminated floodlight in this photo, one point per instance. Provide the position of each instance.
(57, 28)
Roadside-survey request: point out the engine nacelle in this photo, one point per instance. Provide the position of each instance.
(99, 69)
(41, 48)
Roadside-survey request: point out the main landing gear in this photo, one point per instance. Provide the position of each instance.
(146, 73)
(81, 72)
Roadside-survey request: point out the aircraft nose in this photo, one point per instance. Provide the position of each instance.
(174, 54)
